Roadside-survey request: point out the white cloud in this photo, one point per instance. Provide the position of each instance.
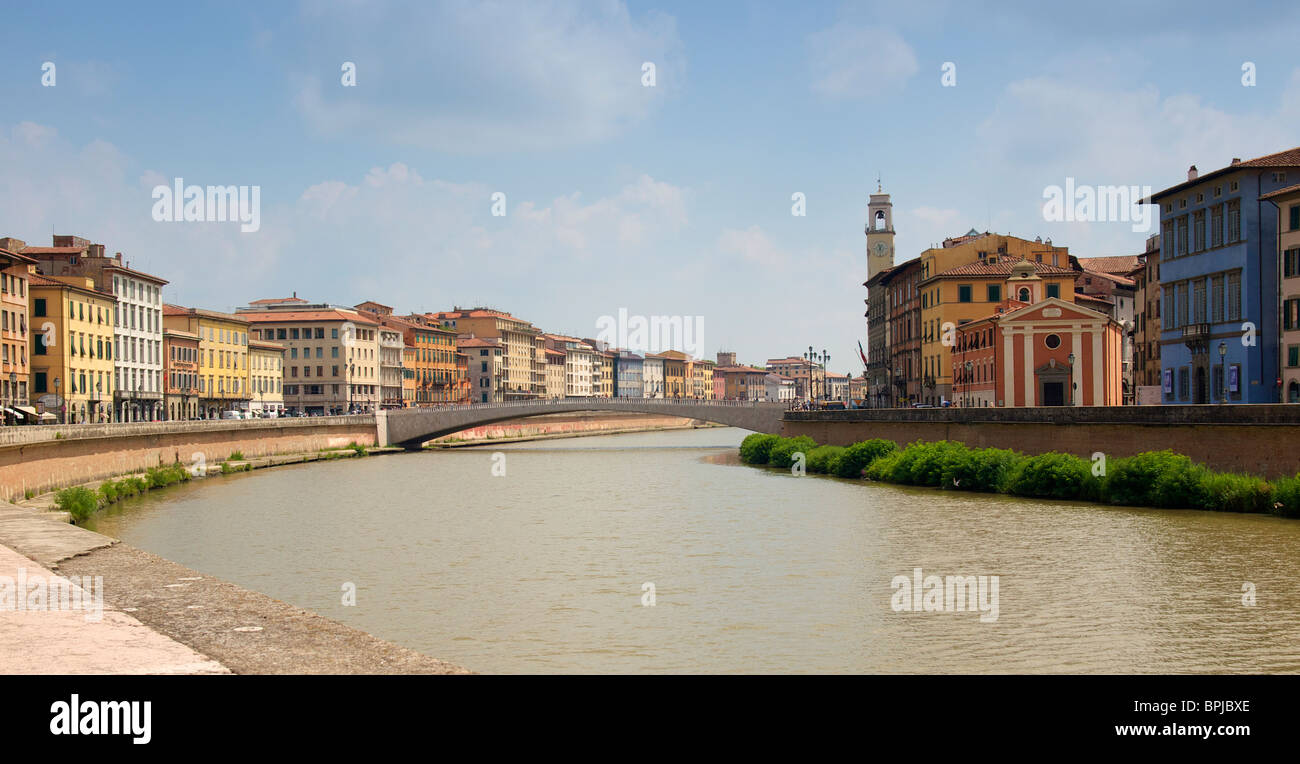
(855, 61)
(485, 77)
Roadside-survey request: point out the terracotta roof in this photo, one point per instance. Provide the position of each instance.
(37, 280)
(1281, 192)
(738, 370)
(180, 310)
(17, 256)
(276, 300)
(1110, 264)
(1287, 158)
(478, 342)
(179, 333)
(53, 250)
(285, 316)
(266, 345)
(1001, 268)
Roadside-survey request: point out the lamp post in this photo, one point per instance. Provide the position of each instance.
(1070, 358)
(1223, 373)
(351, 370)
(60, 400)
(13, 393)
(965, 384)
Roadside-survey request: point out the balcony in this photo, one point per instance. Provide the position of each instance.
(1197, 337)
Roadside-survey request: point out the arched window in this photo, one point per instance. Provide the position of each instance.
(879, 225)
(1024, 294)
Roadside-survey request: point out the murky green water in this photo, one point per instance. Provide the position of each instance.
(542, 569)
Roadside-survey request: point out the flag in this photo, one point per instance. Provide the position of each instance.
(862, 354)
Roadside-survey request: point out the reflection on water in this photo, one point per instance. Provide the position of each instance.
(541, 570)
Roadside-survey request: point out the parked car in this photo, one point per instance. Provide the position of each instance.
(232, 415)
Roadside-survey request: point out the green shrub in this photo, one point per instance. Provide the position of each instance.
(782, 454)
(1286, 497)
(138, 484)
(1229, 492)
(822, 458)
(78, 501)
(235, 456)
(1054, 475)
(359, 449)
(923, 463)
(29, 493)
(125, 488)
(754, 449)
(1154, 479)
(882, 468)
(858, 456)
(108, 492)
(980, 469)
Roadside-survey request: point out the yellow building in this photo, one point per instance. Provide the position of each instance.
(71, 348)
(965, 280)
(678, 378)
(265, 377)
(223, 357)
(702, 379)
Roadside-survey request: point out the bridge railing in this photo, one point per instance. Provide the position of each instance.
(603, 401)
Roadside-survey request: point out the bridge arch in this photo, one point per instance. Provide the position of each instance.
(413, 426)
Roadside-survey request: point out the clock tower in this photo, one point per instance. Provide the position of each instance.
(880, 233)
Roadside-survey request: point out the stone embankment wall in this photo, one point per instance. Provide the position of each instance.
(39, 459)
(554, 425)
(1256, 439)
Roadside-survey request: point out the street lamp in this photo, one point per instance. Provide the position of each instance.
(351, 370)
(60, 400)
(1223, 373)
(1070, 358)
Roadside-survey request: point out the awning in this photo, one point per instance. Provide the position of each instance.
(47, 417)
(28, 410)
(17, 414)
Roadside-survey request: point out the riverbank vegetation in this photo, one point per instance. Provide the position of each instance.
(81, 502)
(1151, 479)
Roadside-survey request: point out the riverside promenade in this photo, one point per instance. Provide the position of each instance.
(159, 617)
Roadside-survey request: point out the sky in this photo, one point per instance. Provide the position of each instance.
(674, 199)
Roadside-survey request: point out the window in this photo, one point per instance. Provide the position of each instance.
(1293, 355)
(994, 293)
(38, 307)
(1054, 290)
(1295, 217)
(1234, 221)
(1234, 296)
(1291, 259)
(1183, 383)
(963, 293)
(1216, 298)
(1053, 341)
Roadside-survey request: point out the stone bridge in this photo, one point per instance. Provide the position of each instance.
(411, 427)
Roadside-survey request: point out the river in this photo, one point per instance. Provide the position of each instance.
(543, 568)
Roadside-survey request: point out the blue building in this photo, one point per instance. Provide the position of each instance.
(627, 375)
(1219, 277)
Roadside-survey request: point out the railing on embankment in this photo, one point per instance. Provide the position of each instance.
(1260, 439)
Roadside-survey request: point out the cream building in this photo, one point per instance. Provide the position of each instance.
(266, 377)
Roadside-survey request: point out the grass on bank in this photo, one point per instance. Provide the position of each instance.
(81, 502)
(1149, 479)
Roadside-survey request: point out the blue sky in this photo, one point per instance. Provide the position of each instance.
(672, 200)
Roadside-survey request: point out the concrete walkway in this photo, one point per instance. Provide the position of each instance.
(84, 640)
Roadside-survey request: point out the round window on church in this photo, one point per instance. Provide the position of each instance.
(1053, 341)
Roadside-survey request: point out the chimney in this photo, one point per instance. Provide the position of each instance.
(97, 250)
(12, 244)
(1191, 172)
(118, 257)
(1236, 160)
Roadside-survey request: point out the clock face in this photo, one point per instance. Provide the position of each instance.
(880, 248)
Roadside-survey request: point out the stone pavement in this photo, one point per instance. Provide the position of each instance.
(85, 640)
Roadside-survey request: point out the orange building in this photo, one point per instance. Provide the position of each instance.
(15, 374)
(432, 363)
(1049, 353)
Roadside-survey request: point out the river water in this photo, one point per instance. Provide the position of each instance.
(543, 569)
